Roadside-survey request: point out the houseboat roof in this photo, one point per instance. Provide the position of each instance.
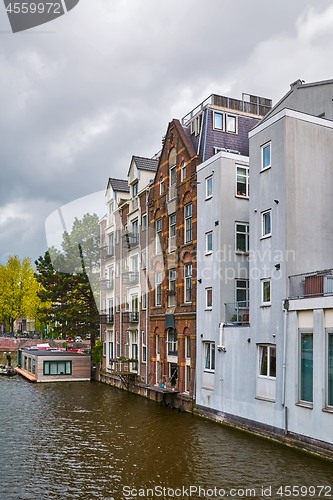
(52, 352)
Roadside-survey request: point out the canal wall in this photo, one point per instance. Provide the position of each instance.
(170, 398)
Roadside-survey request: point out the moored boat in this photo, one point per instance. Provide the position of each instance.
(9, 371)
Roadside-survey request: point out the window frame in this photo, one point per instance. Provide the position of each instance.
(247, 181)
(223, 121)
(209, 242)
(158, 236)
(267, 144)
(269, 357)
(263, 223)
(209, 303)
(172, 278)
(172, 342)
(56, 363)
(144, 222)
(158, 289)
(234, 117)
(209, 356)
(183, 171)
(135, 189)
(188, 224)
(262, 285)
(301, 388)
(247, 290)
(246, 233)
(209, 191)
(188, 281)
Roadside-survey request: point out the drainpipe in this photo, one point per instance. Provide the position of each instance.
(221, 347)
(200, 136)
(206, 128)
(285, 322)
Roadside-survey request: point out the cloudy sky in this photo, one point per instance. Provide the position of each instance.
(82, 94)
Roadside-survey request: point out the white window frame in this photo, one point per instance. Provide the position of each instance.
(172, 232)
(172, 287)
(144, 222)
(247, 236)
(241, 288)
(209, 242)
(135, 189)
(246, 176)
(188, 347)
(158, 240)
(209, 356)
(223, 121)
(187, 283)
(207, 290)
(183, 171)
(209, 187)
(235, 121)
(158, 288)
(144, 300)
(162, 186)
(264, 214)
(188, 224)
(262, 149)
(263, 282)
(268, 348)
(144, 259)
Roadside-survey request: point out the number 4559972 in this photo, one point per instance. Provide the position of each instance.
(32, 8)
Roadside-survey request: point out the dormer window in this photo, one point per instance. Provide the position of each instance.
(135, 189)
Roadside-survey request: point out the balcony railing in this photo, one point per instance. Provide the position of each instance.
(237, 313)
(130, 317)
(123, 367)
(130, 278)
(316, 284)
(130, 239)
(106, 318)
(106, 285)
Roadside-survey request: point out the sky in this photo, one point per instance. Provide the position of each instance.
(83, 93)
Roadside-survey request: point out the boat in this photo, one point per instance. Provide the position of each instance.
(9, 371)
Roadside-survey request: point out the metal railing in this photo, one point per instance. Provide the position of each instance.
(106, 285)
(130, 278)
(237, 313)
(123, 367)
(131, 239)
(315, 284)
(130, 316)
(106, 318)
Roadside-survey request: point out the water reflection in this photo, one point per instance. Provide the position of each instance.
(86, 441)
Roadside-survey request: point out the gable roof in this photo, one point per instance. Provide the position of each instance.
(119, 185)
(145, 163)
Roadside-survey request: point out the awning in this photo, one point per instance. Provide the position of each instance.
(170, 321)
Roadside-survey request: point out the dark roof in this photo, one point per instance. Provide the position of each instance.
(51, 353)
(119, 185)
(145, 163)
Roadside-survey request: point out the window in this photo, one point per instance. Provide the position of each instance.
(172, 233)
(266, 292)
(111, 350)
(172, 342)
(266, 223)
(158, 288)
(144, 354)
(242, 293)
(183, 171)
(242, 181)
(118, 236)
(209, 298)
(57, 368)
(135, 189)
(242, 237)
(265, 156)
(117, 304)
(173, 174)
(231, 124)
(188, 223)
(187, 378)
(188, 282)
(267, 361)
(209, 351)
(188, 347)
(162, 186)
(209, 242)
(158, 226)
(144, 222)
(218, 121)
(330, 370)
(118, 269)
(144, 260)
(135, 226)
(111, 244)
(209, 187)
(306, 365)
(144, 300)
(196, 124)
(172, 288)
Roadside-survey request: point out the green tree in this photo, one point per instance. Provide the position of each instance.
(18, 291)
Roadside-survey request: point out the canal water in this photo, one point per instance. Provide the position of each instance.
(87, 441)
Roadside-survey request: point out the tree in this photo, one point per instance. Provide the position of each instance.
(69, 279)
(18, 291)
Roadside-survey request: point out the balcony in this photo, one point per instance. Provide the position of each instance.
(106, 285)
(130, 317)
(134, 204)
(237, 313)
(130, 240)
(123, 368)
(316, 284)
(130, 278)
(106, 318)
